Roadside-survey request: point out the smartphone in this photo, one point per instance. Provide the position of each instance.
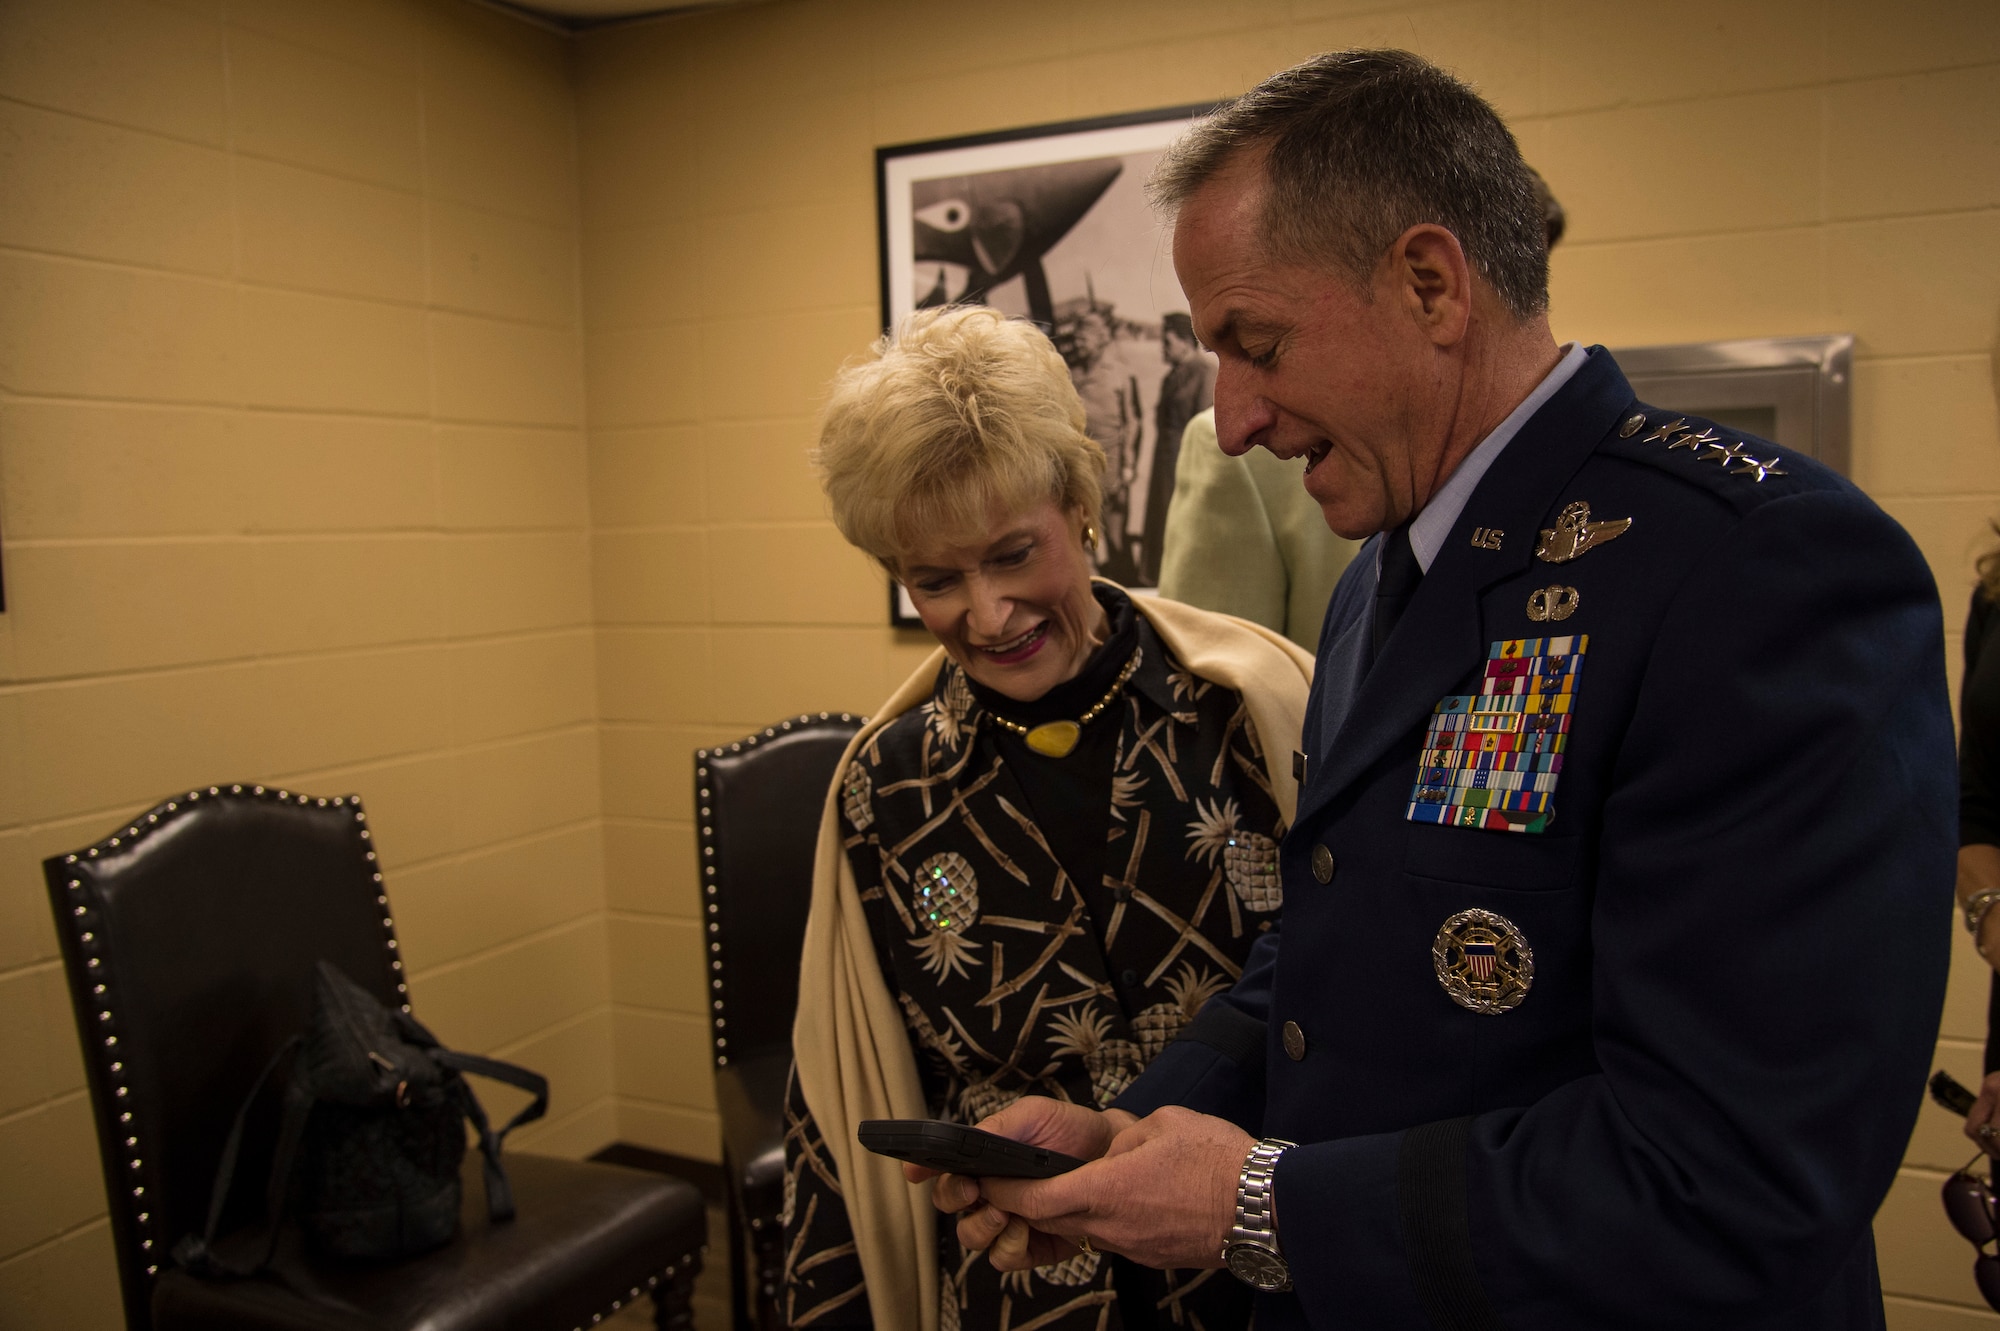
(954, 1148)
(1949, 1092)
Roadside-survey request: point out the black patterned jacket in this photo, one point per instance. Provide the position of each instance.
(1014, 979)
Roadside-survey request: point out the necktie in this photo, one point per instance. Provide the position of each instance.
(1401, 575)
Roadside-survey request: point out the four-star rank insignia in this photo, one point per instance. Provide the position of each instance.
(1574, 533)
(1483, 961)
(1704, 444)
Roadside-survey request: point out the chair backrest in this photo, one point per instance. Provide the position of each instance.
(190, 938)
(757, 805)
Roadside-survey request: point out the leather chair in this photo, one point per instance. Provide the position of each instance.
(758, 805)
(190, 939)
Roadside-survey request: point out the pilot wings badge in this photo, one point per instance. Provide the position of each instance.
(1575, 533)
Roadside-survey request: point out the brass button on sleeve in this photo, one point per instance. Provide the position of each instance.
(1295, 1041)
(1322, 863)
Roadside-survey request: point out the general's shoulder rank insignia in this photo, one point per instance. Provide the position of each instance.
(1574, 533)
(1491, 759)
(1483, 961)
(1704, 445)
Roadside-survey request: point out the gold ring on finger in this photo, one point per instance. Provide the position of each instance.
(1088, 1251)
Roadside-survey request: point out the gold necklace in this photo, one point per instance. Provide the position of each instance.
(1057, 739)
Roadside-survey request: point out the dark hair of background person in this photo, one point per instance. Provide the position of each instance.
(1363, 145)
(1180, 325)
(1988, 567)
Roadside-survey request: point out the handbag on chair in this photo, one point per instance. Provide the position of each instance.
(373, 1122)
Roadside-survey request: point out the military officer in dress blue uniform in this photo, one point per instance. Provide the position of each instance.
(1615, 919)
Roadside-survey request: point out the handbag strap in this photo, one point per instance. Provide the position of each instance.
(499, 1192)
(196, 1253)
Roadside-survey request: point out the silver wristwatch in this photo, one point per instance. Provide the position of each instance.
(1251, 1250)
(1977, 907)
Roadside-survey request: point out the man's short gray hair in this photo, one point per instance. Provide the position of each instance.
(1359, 147)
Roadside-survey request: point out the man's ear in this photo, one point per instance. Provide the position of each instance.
(1433, 281)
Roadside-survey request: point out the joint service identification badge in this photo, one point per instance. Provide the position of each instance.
(1483, 962)
(1491, 759)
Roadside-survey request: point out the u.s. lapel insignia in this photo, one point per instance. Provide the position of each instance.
(1483, 961)
(1633, 424)
(1553, 603)
(1574, 533)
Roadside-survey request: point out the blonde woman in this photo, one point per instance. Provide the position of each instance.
(1048, 850)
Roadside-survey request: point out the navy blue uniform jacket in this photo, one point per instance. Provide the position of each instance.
(1739, 913)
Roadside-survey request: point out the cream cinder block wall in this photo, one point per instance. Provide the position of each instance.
(294, 489)
(1730, 169)
(294, 482)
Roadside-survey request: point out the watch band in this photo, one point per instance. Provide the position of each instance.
(1977, 907)
(1255, 1221)
(1251, 1249)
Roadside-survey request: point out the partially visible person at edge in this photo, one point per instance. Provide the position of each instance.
(1050, 847)
(1616, 907)
(1238, 533)
(1979, 820)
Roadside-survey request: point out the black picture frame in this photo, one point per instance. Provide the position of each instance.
(1049, 223)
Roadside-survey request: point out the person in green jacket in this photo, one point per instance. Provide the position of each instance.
(1245, 538)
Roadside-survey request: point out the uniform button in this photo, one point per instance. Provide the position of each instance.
(1130, 979)
(1322, 859)
(1295, 1041)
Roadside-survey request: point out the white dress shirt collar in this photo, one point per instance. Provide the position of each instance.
(1434, 523)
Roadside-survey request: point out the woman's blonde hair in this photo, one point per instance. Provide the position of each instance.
(958, 412)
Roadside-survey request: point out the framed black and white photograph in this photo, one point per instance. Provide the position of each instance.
(1051, 224)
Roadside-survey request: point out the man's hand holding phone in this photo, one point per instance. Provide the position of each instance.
(1010, 1242)
(1160, 1190)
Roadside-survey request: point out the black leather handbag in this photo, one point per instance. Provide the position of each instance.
(374, 1121)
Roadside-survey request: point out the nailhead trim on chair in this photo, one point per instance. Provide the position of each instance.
(688, 1260)
(100, 989)
(718, 1018)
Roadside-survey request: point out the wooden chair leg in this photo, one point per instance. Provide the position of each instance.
(673, 1299)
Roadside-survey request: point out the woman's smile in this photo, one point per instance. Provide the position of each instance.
(1018, 649)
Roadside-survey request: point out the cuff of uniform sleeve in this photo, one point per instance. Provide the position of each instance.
(1378, 1227)
(1337, 1205)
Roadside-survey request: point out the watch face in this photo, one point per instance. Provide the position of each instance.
(1258, 1267)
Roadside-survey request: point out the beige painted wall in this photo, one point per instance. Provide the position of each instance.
(295, 360)
(1731, 169)
(295, 490)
